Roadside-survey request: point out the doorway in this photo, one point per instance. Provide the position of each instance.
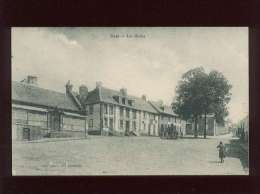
(127, 127)
(55, 121)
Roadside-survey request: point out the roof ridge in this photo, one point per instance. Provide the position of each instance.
(17, 82)
(36, 95)
(76, 100)
(154, 106)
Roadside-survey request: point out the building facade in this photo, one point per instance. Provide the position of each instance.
(39, 113)
(212, 127)
(112, 112)
(167, 118)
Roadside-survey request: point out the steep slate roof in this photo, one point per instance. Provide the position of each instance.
(167, 109)
(33, 95)
(103, 94)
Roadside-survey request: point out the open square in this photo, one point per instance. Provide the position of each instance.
(98, 155)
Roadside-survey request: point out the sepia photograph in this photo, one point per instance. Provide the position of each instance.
(108, 101)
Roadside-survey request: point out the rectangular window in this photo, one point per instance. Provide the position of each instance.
(127, 113)
(91, 109)
(106, 109)
(90, 123)
(144, 115)
(130, 102)
(111, 124)
(121, 124)
(144, 126)
(134, 114)
(121, 112)
(106, 122)
(111, 109)
(123, 100)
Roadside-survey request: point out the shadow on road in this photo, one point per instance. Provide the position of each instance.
(234, 150)
(214, 162)
(191, 137)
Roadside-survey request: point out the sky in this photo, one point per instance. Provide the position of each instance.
(146, 61)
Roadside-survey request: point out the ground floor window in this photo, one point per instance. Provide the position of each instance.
(154, 132)
(106, 122)
(111, 126)
(90, 123)
(134, 125)
(121, 124)
(127, 126)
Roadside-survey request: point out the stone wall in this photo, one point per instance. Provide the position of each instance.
(140, 120)
(29, 132)
(33, 125)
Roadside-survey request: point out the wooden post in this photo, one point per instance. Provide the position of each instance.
(101, 118)
(205, 129)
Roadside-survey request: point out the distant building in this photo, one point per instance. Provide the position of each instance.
(212, 127)
(167, 117)
(38, 112)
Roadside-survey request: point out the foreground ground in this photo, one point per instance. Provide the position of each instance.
(128, 156)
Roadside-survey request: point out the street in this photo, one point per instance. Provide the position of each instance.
(99, 155)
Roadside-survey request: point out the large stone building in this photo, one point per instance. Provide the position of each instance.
(117, 113)
(38, 112)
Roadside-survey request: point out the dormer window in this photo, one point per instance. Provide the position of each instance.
(123, 100)
(106, 109)
(116, 98)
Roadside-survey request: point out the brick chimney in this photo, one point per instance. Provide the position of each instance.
(69, 87)
(123, 91)
(30, 79)
(83, 92)
(98, 84)
(160, 103)
(144, 97)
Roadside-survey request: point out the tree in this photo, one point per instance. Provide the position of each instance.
(199, 93)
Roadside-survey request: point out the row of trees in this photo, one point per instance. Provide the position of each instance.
(199, 93)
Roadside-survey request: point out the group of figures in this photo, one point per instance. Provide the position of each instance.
(169, 132)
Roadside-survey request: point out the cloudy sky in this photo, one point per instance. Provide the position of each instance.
(151, 63)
